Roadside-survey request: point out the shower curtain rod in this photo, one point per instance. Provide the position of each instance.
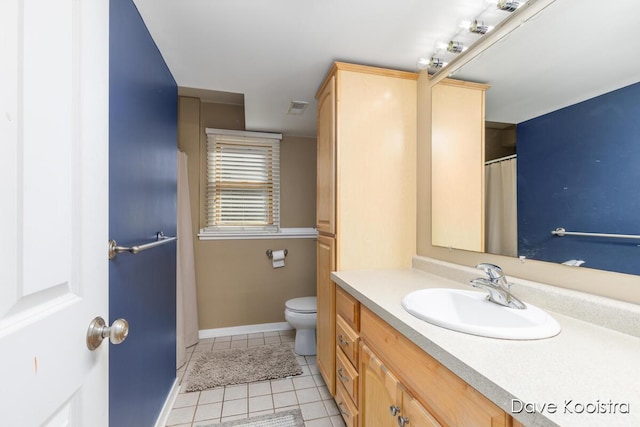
(501, 159)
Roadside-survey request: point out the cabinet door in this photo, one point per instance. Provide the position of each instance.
(457, 165)
(448, 397)
(380, 398)
(326, 327)
(414, 414)
(326, 172)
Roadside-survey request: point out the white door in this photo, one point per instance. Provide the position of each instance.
(53, 211)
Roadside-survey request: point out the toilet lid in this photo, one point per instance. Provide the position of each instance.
(302, 305)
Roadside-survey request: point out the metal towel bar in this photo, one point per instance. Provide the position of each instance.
(161, 239)
(562, 232)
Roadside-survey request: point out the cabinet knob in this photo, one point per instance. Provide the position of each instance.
(342, 340)
(342, 377)
(342, 411)
(395, 410)
(403, 421)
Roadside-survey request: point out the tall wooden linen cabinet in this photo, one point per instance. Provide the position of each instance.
(366, 184)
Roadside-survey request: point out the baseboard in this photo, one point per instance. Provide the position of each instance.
(241, 330)
(168, 405)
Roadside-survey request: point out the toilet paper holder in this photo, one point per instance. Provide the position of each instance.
(270, 253)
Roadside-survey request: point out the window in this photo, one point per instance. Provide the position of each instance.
(243, 182)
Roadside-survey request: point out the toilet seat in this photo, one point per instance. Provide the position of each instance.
(302, 305)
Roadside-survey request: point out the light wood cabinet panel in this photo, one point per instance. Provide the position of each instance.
(446, 396)
(367, 126)
(376, 170)
(347, 408)
(385, 401)
(326, 176)
(415, 414)
(347, 374)
(326, 324)
(348, 308)
(366, 187)
(457, 164)
(347, 340)
(379, 391)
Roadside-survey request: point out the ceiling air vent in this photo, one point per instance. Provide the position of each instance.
(296, 108)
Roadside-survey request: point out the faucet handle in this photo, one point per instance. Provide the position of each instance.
(493, 271)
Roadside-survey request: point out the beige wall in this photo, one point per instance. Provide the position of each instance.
(236, 283)
(615, 285)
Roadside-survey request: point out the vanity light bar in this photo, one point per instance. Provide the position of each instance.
(489, 18)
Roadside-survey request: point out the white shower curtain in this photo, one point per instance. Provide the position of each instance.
(501, 220)
(186, 304)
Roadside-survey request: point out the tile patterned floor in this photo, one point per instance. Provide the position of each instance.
(307, 392)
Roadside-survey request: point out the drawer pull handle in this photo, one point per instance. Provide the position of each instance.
(342, 340)
(342, 411)
(395, 410)
(403, 421)
(342, 377)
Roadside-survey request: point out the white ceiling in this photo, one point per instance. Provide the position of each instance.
(277, 51)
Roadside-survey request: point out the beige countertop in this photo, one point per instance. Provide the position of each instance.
(590, 373)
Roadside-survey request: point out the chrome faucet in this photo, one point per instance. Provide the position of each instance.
(497, 286)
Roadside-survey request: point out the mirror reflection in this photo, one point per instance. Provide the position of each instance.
(571, 118)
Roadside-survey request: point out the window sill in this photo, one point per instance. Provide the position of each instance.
(284, 233)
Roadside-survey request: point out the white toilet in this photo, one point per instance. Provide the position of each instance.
(301, 314)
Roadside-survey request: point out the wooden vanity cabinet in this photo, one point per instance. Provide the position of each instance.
(347, 408)
(413, 413)
(347, 346)
(326, 324)
(385, 401)
(326, 159)
(366, 183)
(425, 389)
(379, 390)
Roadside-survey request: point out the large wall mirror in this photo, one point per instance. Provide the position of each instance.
(564, 108)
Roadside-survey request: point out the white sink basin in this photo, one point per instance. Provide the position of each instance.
(471, 313)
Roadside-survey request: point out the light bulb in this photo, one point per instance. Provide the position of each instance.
(478, 27)
(508, 5)
(436, 62)
(455, 47)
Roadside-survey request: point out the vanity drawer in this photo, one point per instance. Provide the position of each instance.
(348, 308)
(347, 339)
(347, 375)
(347, 408)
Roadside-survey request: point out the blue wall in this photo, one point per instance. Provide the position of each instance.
(142, 201)
(579, 168)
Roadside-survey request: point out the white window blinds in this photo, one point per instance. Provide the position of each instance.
(243, 181)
